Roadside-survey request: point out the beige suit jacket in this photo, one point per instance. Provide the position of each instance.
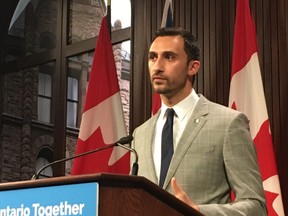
(214, 155)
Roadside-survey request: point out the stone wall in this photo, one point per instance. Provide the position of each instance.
(10, 139)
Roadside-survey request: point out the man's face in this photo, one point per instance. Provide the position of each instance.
(168, 67)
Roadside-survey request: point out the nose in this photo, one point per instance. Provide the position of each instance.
(156, 66)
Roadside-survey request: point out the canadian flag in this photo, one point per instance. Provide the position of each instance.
(102, 120)
(247, 95)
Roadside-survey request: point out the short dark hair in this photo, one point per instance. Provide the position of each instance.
(191, 46)
(190, 42)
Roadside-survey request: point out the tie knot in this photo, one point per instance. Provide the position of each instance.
(170, 112)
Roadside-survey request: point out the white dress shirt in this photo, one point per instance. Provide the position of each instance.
(183, 111)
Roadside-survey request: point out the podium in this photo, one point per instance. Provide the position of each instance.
(115, 195)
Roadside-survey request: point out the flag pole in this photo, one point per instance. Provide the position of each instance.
(109, 16)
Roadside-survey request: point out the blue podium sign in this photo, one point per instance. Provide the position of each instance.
(64, 200)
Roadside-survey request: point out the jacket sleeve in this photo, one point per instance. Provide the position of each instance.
(241, 166)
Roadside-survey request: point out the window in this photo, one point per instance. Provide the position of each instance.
(45, 93)
(44, 158)
(72, 101)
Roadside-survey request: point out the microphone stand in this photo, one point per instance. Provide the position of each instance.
(120, 143)
(135, 164)
(36, 176)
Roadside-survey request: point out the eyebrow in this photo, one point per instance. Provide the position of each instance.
(164, 53)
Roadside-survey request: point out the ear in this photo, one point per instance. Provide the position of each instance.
(193, 67)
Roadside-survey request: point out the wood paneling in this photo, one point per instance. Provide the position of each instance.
(212, 21)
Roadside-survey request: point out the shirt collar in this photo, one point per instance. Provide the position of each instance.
(183, 107)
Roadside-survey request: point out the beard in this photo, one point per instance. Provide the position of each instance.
(168, 88)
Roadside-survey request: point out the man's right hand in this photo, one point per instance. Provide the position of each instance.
(180, 194)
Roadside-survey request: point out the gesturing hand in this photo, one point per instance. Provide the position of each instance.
(180, 194)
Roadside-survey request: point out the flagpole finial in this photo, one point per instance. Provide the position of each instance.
(167, 16)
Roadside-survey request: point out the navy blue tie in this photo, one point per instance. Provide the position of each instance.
(167, 145)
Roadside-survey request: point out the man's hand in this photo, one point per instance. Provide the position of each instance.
(180, 194)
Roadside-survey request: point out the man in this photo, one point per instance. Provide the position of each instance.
(213, 152)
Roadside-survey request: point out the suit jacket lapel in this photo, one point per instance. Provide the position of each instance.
(148, 138)
(194, 125)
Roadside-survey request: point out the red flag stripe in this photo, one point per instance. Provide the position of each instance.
(244, 33)
(103, 63)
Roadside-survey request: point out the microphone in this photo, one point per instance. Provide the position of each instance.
(121, 143)
(135, 164)
(125, 140)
